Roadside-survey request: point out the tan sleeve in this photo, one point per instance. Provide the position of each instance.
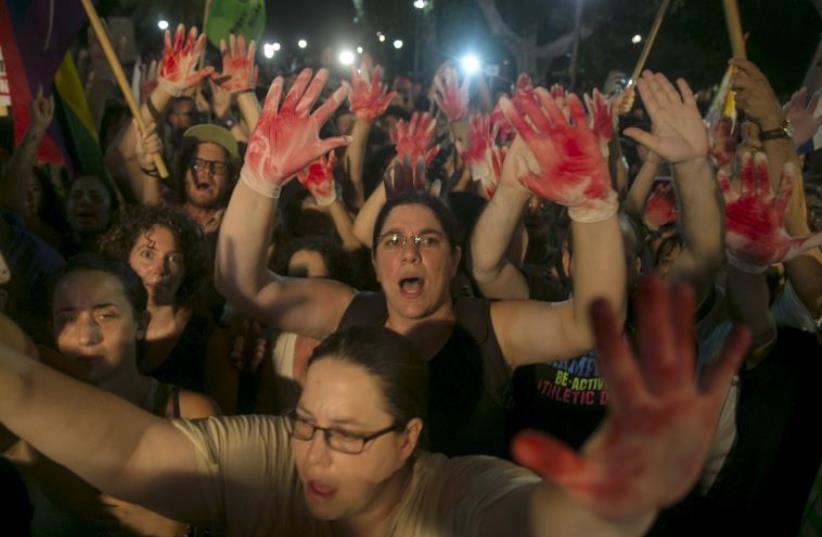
(246, 470)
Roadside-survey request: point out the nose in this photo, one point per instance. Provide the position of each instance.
(410, 251)
(89, 331)
(318, 451)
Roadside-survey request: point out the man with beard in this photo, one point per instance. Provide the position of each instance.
(206, 172)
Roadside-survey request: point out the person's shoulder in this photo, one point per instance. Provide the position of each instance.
(195, 405)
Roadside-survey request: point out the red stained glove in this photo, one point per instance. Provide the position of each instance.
(755, 235)
(650, 449)
(450, 97)
(401, 176)
(601, 119)
(571, 170)
(369, 100)
(318, 179)
(287, 137)
(178, 66)
(660, 207)
(239, 72)
(413, 138)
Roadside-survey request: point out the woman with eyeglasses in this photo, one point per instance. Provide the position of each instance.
(471, 345)
(347, 459)
(183, 346)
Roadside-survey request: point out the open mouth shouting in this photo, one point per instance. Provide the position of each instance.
(411, 287)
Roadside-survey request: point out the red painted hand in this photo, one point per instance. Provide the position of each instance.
(401, 176)
(369, 100)
(755, 235)
(601, 119)
(287, 138)
(800, 112)
(505, 132)
(148, 79)
(413, 138)
(483, 156)
(660, 207)
(723, 145)
(571, 170)
(318, 178)
(524, 87)
(239, 72)
(649, 451)
(449, 96)
(178, 66)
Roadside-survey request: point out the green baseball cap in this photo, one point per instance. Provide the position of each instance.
(206, 132)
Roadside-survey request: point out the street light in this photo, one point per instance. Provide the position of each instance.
(419, 4)
(637, 39)
(381, 37)
(268, 50)
(346, 57)
(302, 43)
(470, 64)
(398, 44)
(162, 24)
(275, 46)
(359, 50)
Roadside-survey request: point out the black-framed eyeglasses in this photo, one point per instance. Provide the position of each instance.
(218, 167)
(396, 241)
(336, 439)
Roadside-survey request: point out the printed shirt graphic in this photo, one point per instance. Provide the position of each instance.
(566, 399)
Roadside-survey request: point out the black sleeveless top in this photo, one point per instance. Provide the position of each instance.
(185, 365)
(469, 379)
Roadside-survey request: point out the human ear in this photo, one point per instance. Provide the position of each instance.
(411, 437)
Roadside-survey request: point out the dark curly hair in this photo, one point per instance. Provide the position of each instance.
(138, 219)
(331, 251)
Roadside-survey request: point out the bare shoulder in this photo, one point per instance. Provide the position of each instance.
(195, 405)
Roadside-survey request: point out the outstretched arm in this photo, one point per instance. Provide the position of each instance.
(679, 136)
(566, 166)
(136, 456)
(285, 140)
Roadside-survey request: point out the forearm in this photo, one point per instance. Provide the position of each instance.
(554, 513)
(700, 223)
(146, 186)
(492, 234)
(748, 304)
(68, 421)
(618, 166)
(155, 105)
(641, 187)
(344, 226)
(367, 217)
(355, 157)
(19, 172)
(243, 245)
(249, 108)
(598, 271)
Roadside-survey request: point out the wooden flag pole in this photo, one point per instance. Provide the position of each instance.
(734, 28)
(120, 77)
(649, 42)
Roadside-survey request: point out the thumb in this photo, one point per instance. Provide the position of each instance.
(645, 138)
(330, 144)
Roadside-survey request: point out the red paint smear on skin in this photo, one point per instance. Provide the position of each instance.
(603, 125)
(660, 208)
(413, 138)
(724, 145)
(369, 101)
(479, 138)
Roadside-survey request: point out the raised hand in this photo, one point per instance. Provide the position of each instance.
(413, 138)
(755, 235)
(239, 72)
(41, 112)
(450, 97)
(483, 156)
(648, 452)
(600, 119)
(148, 145)
(178, 66)
(369, 100)
(401, 176)
(623, 103)
(524, 87)
(148, 79)
(660, 207)
(723, 144)
(287, 138)
(678, 133)
(570, 168)
(318, 179)
(800, 112)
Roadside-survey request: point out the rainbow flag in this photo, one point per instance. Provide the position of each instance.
(82, 142)
(34, 37)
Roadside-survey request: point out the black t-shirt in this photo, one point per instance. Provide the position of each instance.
(469, 380)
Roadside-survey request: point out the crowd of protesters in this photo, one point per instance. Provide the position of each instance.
(366, 309)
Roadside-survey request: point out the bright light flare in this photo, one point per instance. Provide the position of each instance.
(275, 46)
(398, 44)
(470, 64)
(346, 57)
(269, 50)
(381, 37)
(162, 24)
(359, 50)
(302, 43)
(419, 4)
(637, 39)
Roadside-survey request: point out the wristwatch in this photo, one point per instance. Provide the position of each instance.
(785, 130)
